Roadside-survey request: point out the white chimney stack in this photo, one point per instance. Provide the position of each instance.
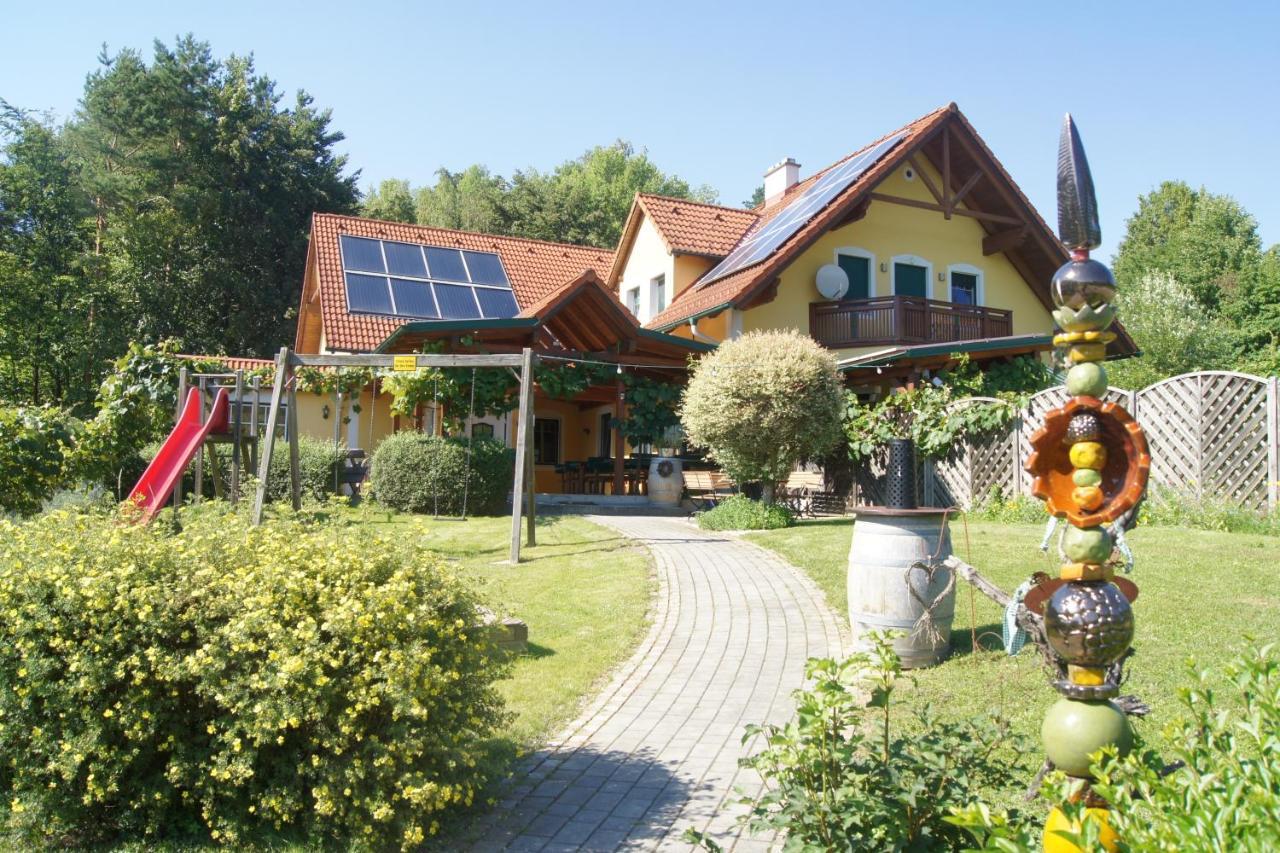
(781, 177)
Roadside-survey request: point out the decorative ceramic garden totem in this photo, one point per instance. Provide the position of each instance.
(1090, 465)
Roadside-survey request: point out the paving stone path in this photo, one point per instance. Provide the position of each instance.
(656, 752)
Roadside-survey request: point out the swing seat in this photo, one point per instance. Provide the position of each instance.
(354, 471)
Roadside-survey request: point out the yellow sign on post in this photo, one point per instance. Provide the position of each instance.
(405, 363)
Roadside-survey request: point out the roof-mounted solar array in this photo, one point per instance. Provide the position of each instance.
(424, 282)
(757, 246)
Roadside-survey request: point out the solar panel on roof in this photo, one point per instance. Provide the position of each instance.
(361, 254)
(764, 241)
(413, 298)
(425, 282)
(485, 269)
(446, 264)
(368, 293)
(456, 302)
(404, 259)
(496, 303)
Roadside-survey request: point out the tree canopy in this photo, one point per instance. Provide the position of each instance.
(176, 202)
(584, 200)
(1197, 288)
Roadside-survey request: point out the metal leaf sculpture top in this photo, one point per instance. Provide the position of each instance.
(1078, 225)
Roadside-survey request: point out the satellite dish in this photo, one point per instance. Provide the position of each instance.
(833, 282)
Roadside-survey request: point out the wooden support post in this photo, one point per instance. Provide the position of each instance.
(253, 423)
(524, 439)
(198, 492)
(273, 418)
(531, 517)
(215, 470)
(295, 470)
(619, 412)
(177, 415)
(237, 437)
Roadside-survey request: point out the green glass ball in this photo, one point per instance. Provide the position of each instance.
(1086, 477)
(1087, 544)
(1088, 379)
(1072, 730)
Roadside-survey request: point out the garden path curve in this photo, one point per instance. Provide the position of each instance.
(656, 752)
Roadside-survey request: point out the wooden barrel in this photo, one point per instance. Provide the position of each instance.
(886, 544)
(665, 489)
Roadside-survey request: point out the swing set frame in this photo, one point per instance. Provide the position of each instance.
(285, 388)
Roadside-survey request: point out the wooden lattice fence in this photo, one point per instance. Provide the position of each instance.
(1213, 434)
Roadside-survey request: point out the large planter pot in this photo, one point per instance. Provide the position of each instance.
(887, 594)
(666, 481)
(900, 475)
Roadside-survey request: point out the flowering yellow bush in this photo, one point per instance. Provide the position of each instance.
(231, 682)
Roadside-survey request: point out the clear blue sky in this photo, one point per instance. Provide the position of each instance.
(716, 93)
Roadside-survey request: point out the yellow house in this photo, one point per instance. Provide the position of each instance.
(911, 249)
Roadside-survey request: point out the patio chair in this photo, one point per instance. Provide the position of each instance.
(707, 488)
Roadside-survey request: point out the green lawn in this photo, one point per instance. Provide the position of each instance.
(1201, 593)
(583, 590)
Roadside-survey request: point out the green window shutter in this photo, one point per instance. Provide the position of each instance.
(910, 280)
(859, 272)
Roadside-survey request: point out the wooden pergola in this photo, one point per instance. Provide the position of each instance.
(579, 321)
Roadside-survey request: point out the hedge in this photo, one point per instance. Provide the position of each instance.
(232, 683)
(425, 473)
(35, 446)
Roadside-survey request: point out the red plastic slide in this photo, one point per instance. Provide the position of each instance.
(158, 481)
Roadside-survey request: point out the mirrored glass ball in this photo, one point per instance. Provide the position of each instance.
(1080, 283)
(1089, 624)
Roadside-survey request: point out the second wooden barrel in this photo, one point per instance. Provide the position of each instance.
(886, 544)
(666, 480)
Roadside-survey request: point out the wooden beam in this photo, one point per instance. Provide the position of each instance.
(619, 412)
(946, 171)
(524, 436)
(1003, 241)
(379, 360)
(769, 294)
(926, 180)
(858, 211)
(924, 205)
(273, 418)
(295, 461)
(964, 190)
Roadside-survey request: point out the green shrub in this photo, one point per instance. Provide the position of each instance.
(233, 683)
(741, 513)
(317, 460)
(761, 403)
(1216, 789)
(35, 443)
(1008, 509)
(423, 473)
(837, 777)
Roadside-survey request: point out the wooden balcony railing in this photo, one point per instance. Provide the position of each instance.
(898, 320)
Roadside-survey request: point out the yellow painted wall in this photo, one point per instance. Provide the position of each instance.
(893, 229)
(688, 268)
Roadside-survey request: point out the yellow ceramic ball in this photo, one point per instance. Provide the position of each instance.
(1087, 497)
(1089, 454)
(1058, 822)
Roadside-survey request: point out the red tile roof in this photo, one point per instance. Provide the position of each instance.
(231, 362)
(700, 298)
(535, 267)
(695, 228)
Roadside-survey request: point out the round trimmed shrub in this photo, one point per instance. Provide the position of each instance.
(740, 512)
(412, 472)
(317, 459)
(234, 684)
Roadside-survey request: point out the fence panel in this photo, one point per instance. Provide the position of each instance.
(1213, 434)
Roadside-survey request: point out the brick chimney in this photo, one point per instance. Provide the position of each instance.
(780, 177)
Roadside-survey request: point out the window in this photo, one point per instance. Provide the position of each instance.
(859, 265)
(658, 295)
(546, 441)
(483, 430)
(966, 284)
(911, 276)
(633, 301)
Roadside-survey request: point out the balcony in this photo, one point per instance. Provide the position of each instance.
(898, 320)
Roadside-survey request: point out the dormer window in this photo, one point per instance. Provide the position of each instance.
(965, 284)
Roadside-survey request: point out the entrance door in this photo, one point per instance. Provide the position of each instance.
(606, 435)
